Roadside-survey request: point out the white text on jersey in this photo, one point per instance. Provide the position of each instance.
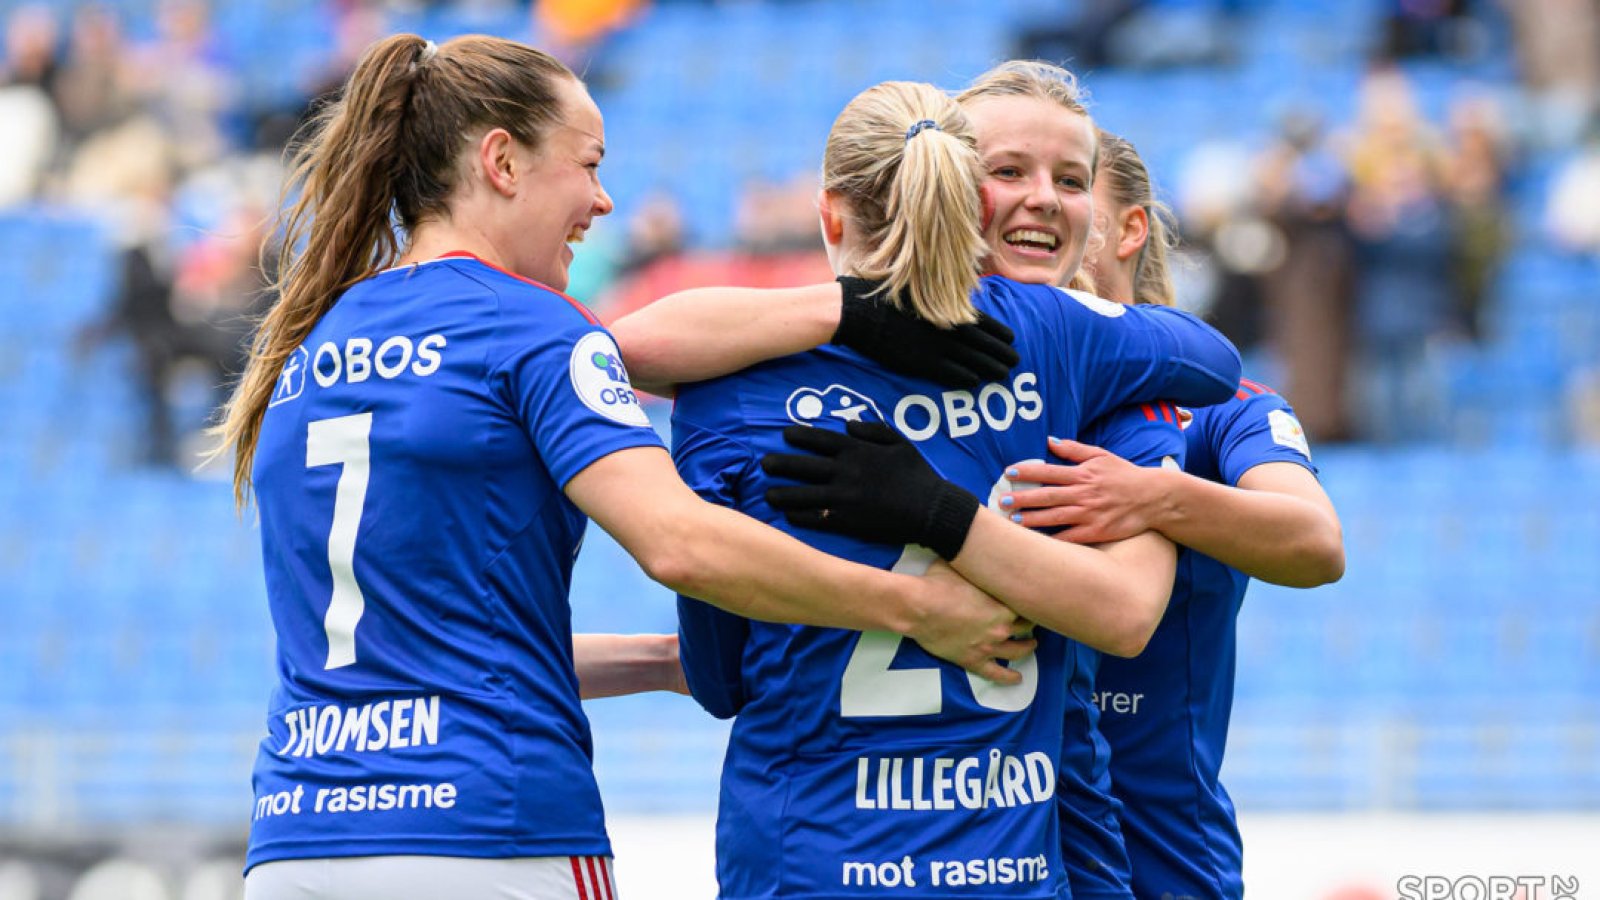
(357, 361)
(384, 725)
(962, 413)
(973, 782)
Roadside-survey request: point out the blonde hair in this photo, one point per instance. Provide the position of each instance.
(912, 188)
(1036, 79)
(1130, 186)
(384, 154)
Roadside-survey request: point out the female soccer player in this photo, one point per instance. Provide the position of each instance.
(1247, 505)
(424, 427)
(857, 762)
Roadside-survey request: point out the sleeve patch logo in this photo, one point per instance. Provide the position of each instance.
(292, 379)
(1286, 432)
(1108, 308)
(601, 381)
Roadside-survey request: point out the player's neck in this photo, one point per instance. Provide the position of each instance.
(432, 240)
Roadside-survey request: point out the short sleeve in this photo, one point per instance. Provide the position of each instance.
(1261, 428)
(710, 640)
(565, 380)
(1149, 434)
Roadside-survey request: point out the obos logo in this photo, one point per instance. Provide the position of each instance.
(601, 381)
(807, 405)
(292, 380)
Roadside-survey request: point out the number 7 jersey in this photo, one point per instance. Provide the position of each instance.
(418, 552)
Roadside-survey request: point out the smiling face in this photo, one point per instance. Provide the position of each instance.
(1038, 159)
(562, 193)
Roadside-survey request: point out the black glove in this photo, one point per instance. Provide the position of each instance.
(964, 356)
(870, 483)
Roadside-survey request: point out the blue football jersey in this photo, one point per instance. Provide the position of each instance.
(418, 551)
(1165, 713)
(1092, 848)
(859, 762)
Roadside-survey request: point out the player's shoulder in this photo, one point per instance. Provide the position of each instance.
(1251, 399)
(1003, 292)
(515, 295)
(1254, 406)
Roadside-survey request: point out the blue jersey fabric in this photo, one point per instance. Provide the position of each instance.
(418, 552)
(859, 762)
(1092, 847)
(1165, 712)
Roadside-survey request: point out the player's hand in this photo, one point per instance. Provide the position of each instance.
(964, 356)
(969, 628)
(870, 483)
(1101, 498)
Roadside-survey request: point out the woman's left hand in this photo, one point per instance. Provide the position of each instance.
(1101, 498)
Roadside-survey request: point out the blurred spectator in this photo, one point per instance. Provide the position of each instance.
(1309, 297)
(1558, 54)
(655, 231)
(185, 80)
(32, 36)
(1081, 38)
(93, 90)
(1216, 198)
(1475, 185)
(778, 218)
(26, 80)
(1401, 222)
(197, 309)
(1422, 28)
(356, 27)
(1572, 215)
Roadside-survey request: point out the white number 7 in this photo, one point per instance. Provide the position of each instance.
(331, 442)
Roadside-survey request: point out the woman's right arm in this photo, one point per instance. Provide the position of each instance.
(702, 333)
(749, 568)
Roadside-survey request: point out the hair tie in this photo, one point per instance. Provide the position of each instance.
(429, 51)
(920, 127)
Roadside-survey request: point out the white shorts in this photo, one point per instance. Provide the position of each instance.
(433, 878)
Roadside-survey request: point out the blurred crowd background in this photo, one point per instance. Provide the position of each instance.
(1391, 206)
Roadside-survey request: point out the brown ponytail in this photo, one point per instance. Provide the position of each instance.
(904, 156)
(385, 154)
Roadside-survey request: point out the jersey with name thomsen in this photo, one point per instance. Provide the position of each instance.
(418, 551)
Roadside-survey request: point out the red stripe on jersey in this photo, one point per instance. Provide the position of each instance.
(577, 878)
(1149, 414)
(606, 882)
(1168, 414)
(582, 310)
(1256, 386)
(1241, 395)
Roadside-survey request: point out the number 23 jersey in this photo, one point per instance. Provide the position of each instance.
(860, 765)
(418, 552)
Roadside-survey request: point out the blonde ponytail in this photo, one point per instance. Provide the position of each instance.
(903, 155)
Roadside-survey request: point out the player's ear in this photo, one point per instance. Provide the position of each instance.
(1135, 231)
(832, 219)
